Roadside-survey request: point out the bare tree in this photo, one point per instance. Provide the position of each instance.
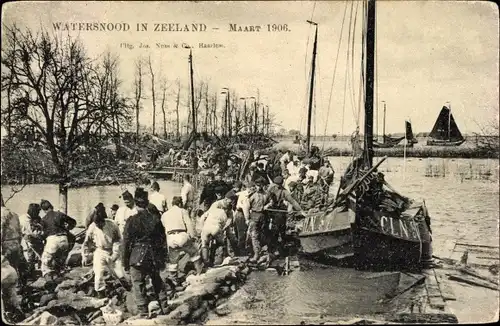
(153, 94)
(177, 130)
(138, 93)
(164, 106)
(56, 101)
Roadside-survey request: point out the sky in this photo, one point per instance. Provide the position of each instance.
(428, 53)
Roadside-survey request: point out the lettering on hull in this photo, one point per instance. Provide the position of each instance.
(402, 229)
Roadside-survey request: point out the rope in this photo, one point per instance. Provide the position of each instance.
(334, 74)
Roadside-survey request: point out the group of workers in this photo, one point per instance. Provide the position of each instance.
(142, 235)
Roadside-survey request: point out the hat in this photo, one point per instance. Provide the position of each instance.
(126, 195)
(260, 182)
(230, 194)
(238, 184)
(210, 174)
(278, 180)
(292, 184)
(141, 195)
(115, 207)
(219, 189)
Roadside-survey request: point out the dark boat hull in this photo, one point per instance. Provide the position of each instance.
(376, 241)
(327, 233)
(438, 142)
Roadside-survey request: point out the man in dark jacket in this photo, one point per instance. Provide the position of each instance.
(58, 240)
(277, 196)
(144, 252)
(215, 186)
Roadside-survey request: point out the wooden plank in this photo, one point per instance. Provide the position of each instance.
(471, 272)
(469, 280)
(475, 245)
(433, 292)
(446, 291)
(424, 318)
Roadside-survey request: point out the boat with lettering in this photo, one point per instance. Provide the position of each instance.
(368, 220)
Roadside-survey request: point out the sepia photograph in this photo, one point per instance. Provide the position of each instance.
(250, 162)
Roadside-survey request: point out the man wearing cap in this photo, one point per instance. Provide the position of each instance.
(56, 227)
(124, 212)
(213, 190)
(180, 236)
(256, 223)
(280, 196)
(103, 234)
(145, 252)
(114, 209)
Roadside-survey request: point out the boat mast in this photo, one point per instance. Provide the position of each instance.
(449, 120)
(383, 128)
(370, 69)
(311, 87)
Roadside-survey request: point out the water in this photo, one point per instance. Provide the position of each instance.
(81, 201)
(461, 195)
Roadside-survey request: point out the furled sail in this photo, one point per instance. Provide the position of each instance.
(445, 127)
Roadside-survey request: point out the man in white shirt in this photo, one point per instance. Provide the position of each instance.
(180, 237)
(187, 195)
(156, 198)
(124, 212)
(215, 223)
(293, 167)
(105, 236)
(241, 218)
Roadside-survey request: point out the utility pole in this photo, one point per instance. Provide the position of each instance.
(193, 113)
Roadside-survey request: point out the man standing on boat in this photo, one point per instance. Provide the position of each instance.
(279, 213)
(285, 159)
(325, 176)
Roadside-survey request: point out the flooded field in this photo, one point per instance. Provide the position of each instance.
(461, 195)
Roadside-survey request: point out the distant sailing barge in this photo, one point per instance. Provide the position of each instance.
(445, 131)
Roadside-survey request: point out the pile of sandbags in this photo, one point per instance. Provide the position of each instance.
(202, 293)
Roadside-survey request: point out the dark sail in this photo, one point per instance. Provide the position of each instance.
(409, 133)
(445, 127)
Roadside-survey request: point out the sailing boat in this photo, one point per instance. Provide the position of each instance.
(388, 141)
(369, 220)
(445, 131)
